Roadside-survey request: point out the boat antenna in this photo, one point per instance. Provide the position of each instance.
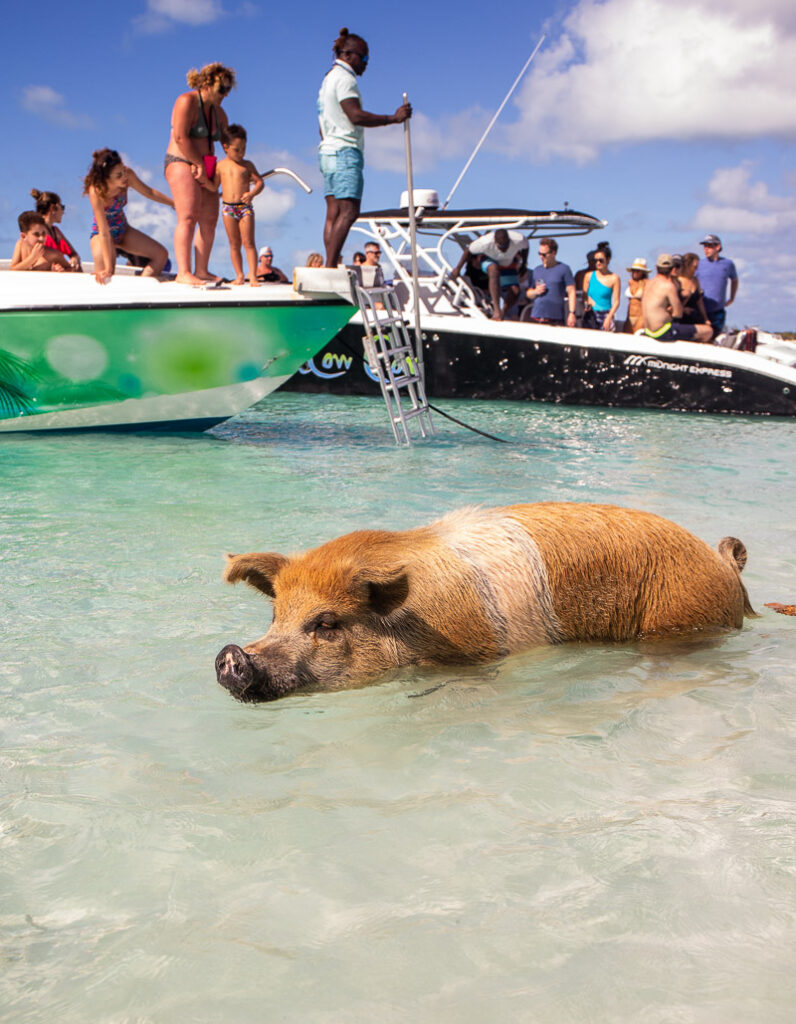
(413, 245)
(491, 123)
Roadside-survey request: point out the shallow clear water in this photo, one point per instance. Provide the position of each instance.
(578, 834)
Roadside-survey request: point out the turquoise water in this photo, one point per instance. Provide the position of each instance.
(577, 834)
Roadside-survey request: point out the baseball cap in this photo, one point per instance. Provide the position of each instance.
(265, 251)
(711, 240)
(664, 261)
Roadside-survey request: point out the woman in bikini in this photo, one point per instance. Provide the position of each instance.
(691, 293)
(106, 185)
(49, 205)
(197, 121)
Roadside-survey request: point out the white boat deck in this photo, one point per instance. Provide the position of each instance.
(27, 290)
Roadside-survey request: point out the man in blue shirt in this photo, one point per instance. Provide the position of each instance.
(714, 272)
(552, 288)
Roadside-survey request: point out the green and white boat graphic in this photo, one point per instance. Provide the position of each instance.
(139, 354)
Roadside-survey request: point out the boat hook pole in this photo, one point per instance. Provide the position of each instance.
(413, 245)
(491, 123)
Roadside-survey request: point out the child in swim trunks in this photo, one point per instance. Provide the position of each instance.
(106, 185)
(30, 252)
(240, 183)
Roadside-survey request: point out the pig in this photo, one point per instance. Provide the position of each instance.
(475, 586)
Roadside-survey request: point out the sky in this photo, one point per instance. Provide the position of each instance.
(667, 118)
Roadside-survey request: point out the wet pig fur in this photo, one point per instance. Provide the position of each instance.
(474, 586)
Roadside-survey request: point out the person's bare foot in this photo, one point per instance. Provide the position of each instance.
(254, 282)
(209, 278)
(497, 316)
(191, 279)
(239, 280)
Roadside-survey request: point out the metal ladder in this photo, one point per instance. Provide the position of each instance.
(392, 358)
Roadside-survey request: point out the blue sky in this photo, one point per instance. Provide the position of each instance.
(667, 118)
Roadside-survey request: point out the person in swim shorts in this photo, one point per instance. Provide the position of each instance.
(240, 182)
(508, 251)
(661, 306)
(341, 152)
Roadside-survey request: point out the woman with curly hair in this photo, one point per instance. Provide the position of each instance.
(197, 121)
(49, 205)
(106, 185)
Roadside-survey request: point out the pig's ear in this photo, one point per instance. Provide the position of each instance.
(258, 569)
(384, 589)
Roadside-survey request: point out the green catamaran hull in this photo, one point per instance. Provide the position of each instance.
(132, 366)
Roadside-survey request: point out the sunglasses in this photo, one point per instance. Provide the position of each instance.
(599, 259)
(223, 90)
(364, 57)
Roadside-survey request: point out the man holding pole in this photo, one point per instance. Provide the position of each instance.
(342, 122)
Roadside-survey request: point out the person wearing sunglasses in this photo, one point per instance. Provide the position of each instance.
(602, 294)
(197, 122)
(552, 288)
(49, 205)
(715, 273)
(341, 152)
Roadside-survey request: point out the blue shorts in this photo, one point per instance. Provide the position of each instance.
(342, 173)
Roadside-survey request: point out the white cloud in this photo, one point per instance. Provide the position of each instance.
(50, 105)
(737, 204)
(432, 141)
(760, 225)
(626, 71)
(161, 15)
(151, 218)
(273, 205)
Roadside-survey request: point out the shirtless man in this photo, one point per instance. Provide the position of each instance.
(30, 252)
(661, 306)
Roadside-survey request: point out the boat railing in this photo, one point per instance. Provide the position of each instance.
(439, 292)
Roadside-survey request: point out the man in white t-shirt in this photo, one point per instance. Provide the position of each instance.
(342, 122)
(508, 251)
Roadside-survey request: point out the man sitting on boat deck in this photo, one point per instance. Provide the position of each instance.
(508, 251)
(661, 307)
(552, 288)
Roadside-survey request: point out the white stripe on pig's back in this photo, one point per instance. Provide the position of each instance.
(510, 574)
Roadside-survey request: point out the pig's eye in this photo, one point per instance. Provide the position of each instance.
(326, 626)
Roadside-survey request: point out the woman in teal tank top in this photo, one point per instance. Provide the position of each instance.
(603, 289)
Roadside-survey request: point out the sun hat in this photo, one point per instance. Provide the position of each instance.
(664, 261)
(711, 240)
(265, 251)
(639, 264)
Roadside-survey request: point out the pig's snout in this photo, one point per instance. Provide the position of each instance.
(235, 672)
